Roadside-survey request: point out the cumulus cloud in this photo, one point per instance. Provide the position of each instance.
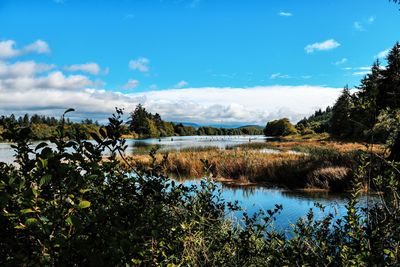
(22, 69)
(285, 14)
(30, 87)
(39, 47)
(131, 84)
(141, 64)
(92, 68)
(213, 105)
(323, 46)
(8, 48)
(181, 84)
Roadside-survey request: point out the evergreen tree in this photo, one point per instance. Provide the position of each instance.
(390, 93)
(341, 122)
(138, 120)
(365, 110)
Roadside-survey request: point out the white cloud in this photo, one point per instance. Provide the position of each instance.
(91, 68)
(181, 84)
(279, 76)
(22, 69)
(141, 64)
(39, 47)
(8, 49)
(358, 26)
(285, 14)
(360, 73)
(131, 84)
(340, 62)
(55, 92)
(30, 87)
(323, 46)
(383, 54)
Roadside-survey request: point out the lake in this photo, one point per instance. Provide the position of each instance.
(295, 204)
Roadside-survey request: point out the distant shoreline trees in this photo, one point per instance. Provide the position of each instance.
(146, 124)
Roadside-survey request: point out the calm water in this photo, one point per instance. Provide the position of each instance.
(181, 142)
(295, 205)
(166, 143)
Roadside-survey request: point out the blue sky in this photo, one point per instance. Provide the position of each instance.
(140, 48)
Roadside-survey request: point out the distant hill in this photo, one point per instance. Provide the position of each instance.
(194, 125)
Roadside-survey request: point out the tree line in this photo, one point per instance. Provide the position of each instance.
(44, 127)
(146, 124)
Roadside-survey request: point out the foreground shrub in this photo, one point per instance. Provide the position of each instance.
(69, 206)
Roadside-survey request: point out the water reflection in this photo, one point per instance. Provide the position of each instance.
(296, 204)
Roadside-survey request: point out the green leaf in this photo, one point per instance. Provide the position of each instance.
(20, 226)
(68, 221)
(43, 163)
(84, 204)
(45, 179)
(31, 221)
(83, 191)
(25, 211)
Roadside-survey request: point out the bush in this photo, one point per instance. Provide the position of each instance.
(281, 127)
(68, 206)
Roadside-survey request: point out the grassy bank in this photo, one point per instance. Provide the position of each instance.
(327, 166)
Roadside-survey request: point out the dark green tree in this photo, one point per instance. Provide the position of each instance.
(281, 127)
(138, 120)
(341, 122)
(390, 92)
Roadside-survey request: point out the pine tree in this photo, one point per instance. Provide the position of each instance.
(341, 122)
(366, 100)
(138, 120)
(390, 94)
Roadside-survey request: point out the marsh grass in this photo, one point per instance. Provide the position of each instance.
(306, 145)
(322, 168)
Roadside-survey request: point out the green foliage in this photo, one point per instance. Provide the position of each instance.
(68, 206)
(341, 122)
(281, 127)
(319, 122)
(43, 128)
(146, 124)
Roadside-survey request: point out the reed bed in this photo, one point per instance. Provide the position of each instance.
(329, 171)
(305, 145)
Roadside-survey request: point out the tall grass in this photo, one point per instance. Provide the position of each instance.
(319, 168)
